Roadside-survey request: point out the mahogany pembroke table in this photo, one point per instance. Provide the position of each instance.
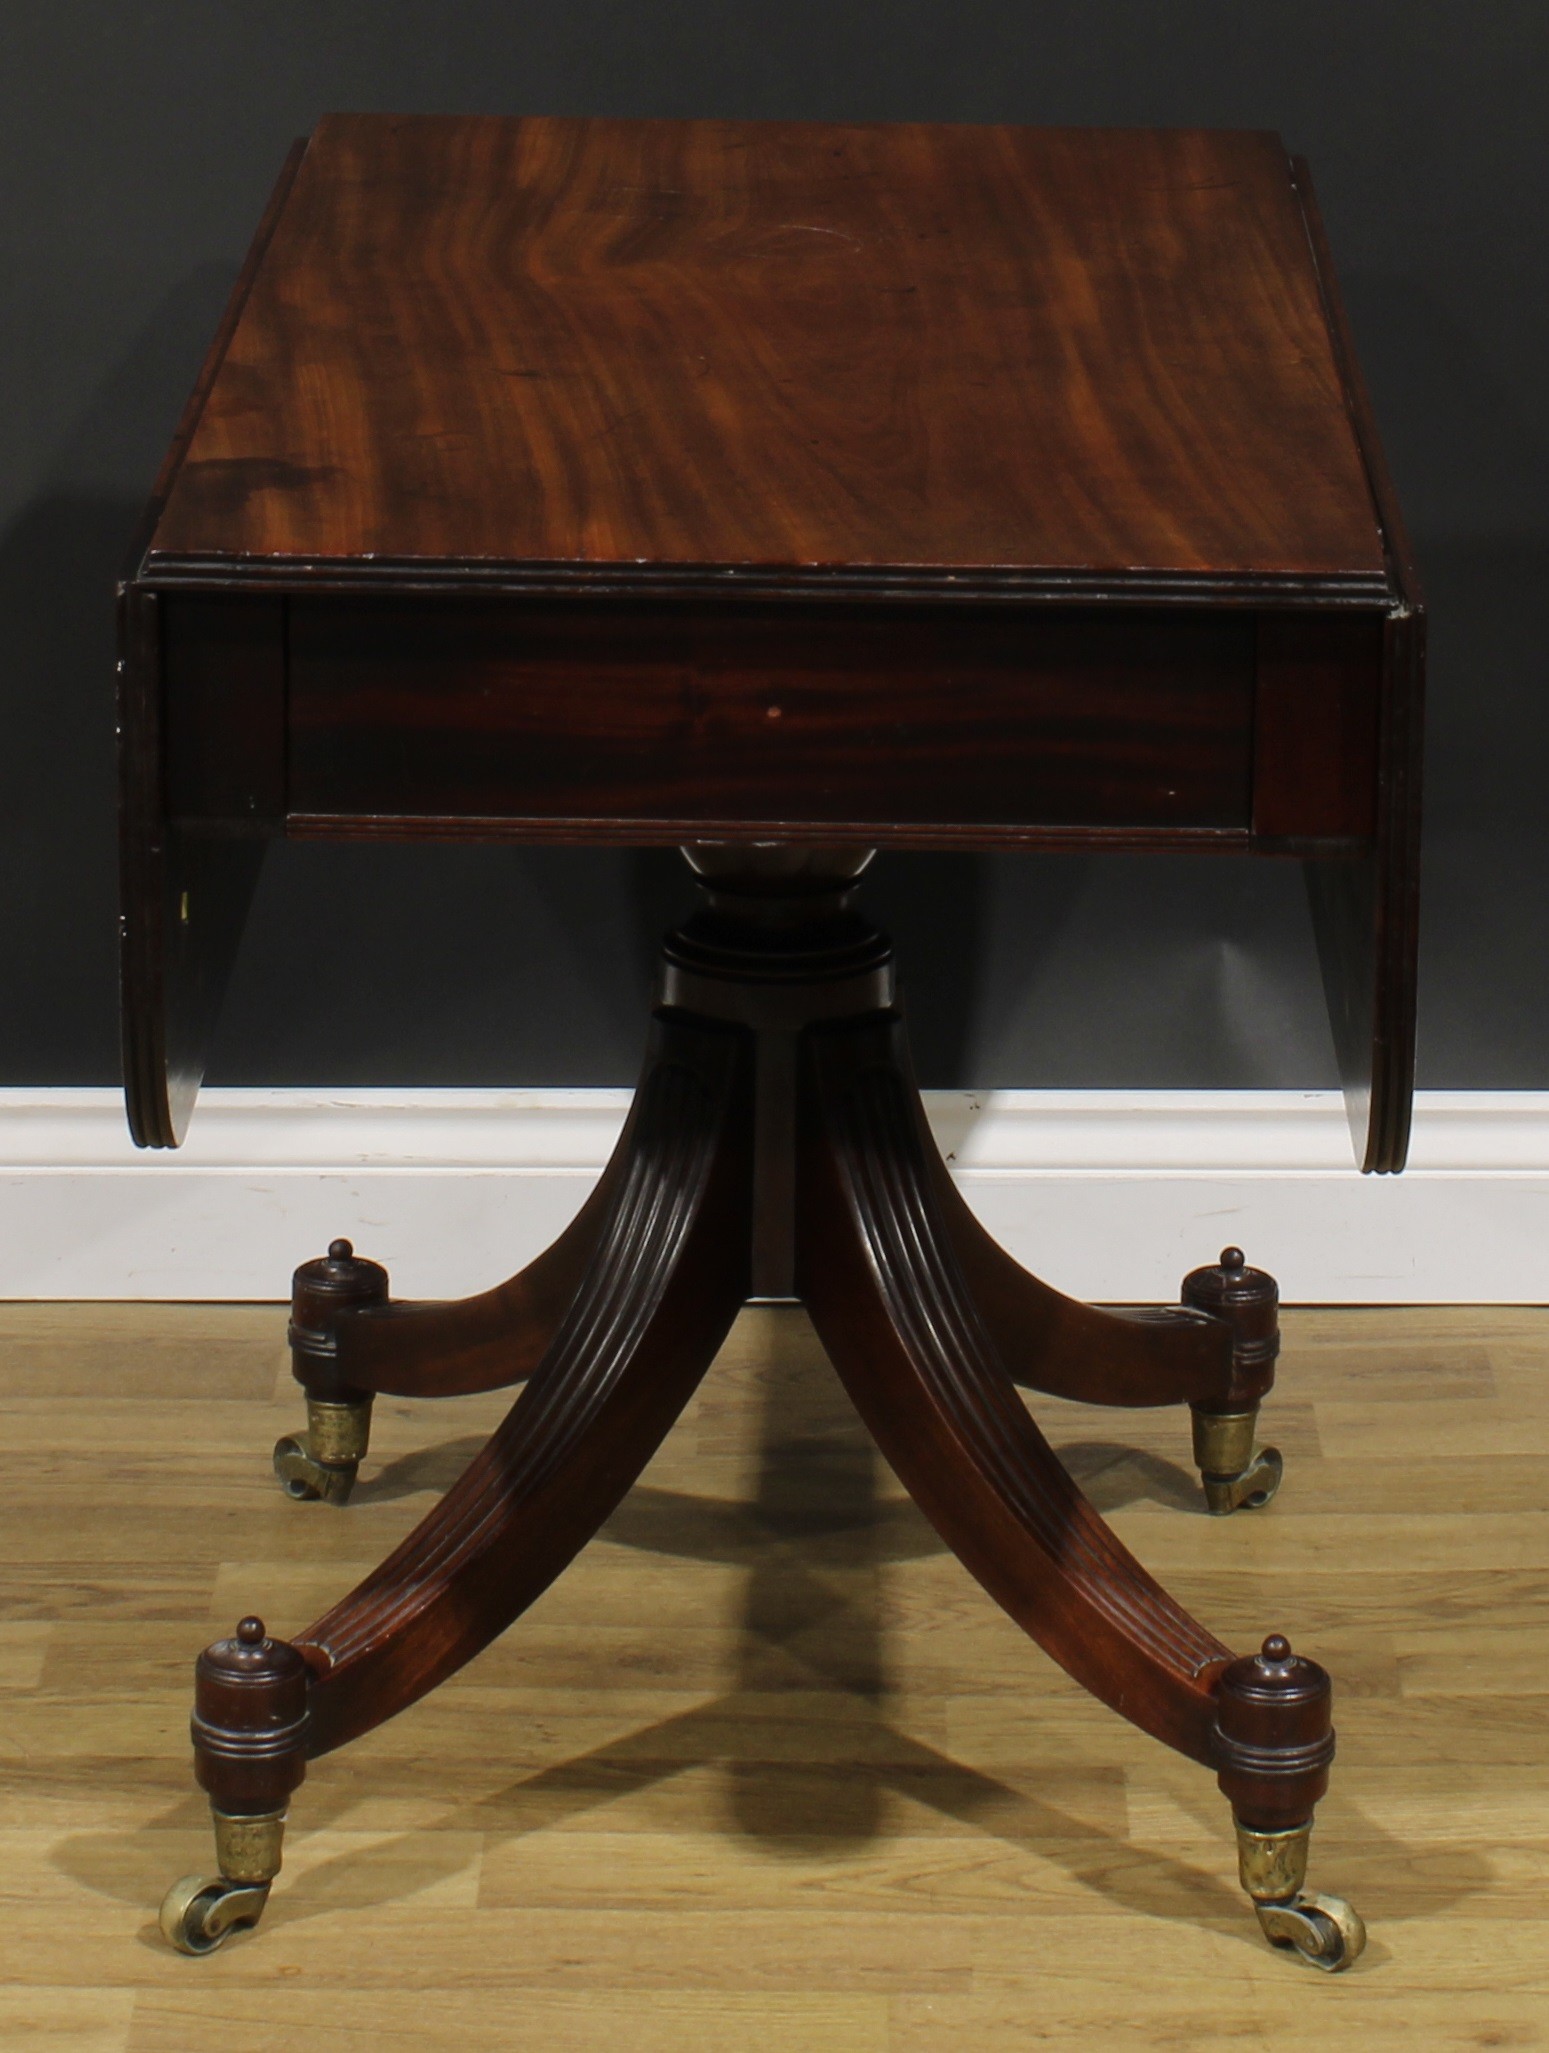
(782, 492)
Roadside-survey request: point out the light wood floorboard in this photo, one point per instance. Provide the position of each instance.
(765, 1770)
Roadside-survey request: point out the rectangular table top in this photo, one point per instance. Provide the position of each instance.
(643, 481)
(796, 348)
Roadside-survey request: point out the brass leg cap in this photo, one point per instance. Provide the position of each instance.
(199, 1914)
(323, 1462)
(1324, 1930)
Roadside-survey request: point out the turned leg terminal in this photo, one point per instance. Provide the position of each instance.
(1274, 1741)
(1237, 1474)
(250, 1746)
(325, 1459)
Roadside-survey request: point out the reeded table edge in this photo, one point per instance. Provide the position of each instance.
(907, 583)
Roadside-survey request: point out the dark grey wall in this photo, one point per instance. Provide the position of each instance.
(138, 144)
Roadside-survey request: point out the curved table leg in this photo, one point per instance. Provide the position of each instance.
(1215, 1351)
(890, 1301)
(658, 1297)
(430, 1348)
(350, 1342)
(1164, 1354)
(669, 1276)
(1216, 1361)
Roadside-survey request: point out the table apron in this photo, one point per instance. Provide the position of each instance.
(768, 715)
(561, 720)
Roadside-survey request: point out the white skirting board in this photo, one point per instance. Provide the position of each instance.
(1109, 1195)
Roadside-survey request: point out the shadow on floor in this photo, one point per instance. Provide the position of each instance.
(814, 1540)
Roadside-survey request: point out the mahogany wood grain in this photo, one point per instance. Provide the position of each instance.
(1315, 718)
(223, 709)
(250, 1721)
(1397, 545)
(1274, 1737)
(215, 356)
(769, 717)
(618, 480)
(773, 372)
(636, 343)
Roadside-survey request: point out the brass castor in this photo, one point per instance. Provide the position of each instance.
(200, 1912)
(1235, 1475)
(323, 1462)
(1325, 1930)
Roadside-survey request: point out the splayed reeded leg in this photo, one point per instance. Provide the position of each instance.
(879, 1271)
(668, 1276)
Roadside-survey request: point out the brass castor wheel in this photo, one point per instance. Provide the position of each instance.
(199, 1913)
(1272, 1867)
(202, 1911)
(1235, 1475)
(311, 1481)
(1325, 1930)
(1250, 1489)
(322, 1463)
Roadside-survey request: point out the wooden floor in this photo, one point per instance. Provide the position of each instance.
(766, 1771)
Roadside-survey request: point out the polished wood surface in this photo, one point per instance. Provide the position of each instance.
(639, 722)
(764, 1767)
(642, 482)
(811, 347)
